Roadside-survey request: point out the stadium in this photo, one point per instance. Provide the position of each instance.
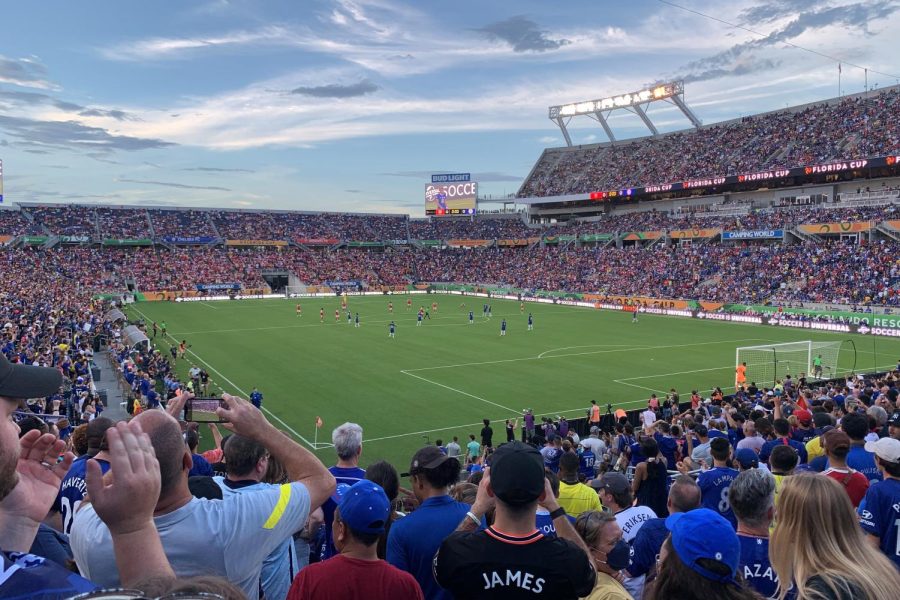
(737, 279)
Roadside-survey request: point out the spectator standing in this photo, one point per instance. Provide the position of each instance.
(347, 440)
(819, 546)
(414, 539)
(880, 511)
(782, 438)
(73, 488)
(615, 493)
(246, 464)
(453, 449)
(594, 443)
(684, 495)
(200, 466)
(856, 426)
(487, 434)
(256, 398)
(714, 482)
(752, 498)
(552, 453)
(699, 561)
(752, 439)
(473, 449)
(836, 444)
(512, 558)
(528, 419)
(651, 479)
(206, 536)
(574, 496)
(356, 571)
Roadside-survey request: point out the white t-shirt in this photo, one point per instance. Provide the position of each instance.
(631, 520)
(230, 538)
(648, 417)
(595, 445)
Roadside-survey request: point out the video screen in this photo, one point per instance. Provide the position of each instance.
(445, 199)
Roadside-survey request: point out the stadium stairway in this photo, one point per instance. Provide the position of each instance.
(108, 384)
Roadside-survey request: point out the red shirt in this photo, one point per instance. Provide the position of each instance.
(350, 578)
(854, 482)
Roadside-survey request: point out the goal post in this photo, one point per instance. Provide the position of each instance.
(768, 363)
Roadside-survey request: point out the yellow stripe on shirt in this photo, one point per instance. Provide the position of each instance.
(278, 511)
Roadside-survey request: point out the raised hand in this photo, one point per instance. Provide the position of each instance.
(243, 418)
(126, 501)
(40, 473)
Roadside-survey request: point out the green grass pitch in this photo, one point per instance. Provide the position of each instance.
(441, 379)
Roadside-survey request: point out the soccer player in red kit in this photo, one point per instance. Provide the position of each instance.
(391, 307)
(299, 311)
(337, 315)
(409, 304)
(321, 315)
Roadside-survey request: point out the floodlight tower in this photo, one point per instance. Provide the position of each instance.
(635, 102)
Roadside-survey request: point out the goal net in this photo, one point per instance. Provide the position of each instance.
(768, 363)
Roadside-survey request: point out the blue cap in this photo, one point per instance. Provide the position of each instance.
(747, 457)
(703, 533)
(365, 507)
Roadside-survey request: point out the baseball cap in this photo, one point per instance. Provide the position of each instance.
(834, 439)
(747, 458)
(615, 483)
(365, 507)
(596, 429)
(27, 381)
(517, 473)
(702, 533)
(429, 457)
(894, 419)
(804, 416)
(886, 449)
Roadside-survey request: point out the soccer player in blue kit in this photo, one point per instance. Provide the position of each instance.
(471, 317)
(392, 327)
(503, 327)
(530, 322)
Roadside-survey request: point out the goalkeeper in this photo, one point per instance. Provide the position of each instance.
(817, 367)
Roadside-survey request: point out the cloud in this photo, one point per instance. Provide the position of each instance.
(162, 48)
(25, 72)
(336, 90)
(118, 115)
(10, 97)
(522, 34)
(181, 186)
(74, 135)
(548, 139)
(743, 59)
(354, 191)
(217, 170)
(102, 157)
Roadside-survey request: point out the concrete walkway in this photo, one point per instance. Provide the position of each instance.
(108, 381)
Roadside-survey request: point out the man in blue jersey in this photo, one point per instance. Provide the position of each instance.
(752, 498)
(586, 462)
(714, 482)
(530, 322)
(879, 513)
(347, 440)
(419, 318)
(503, 327)
(471, 318)
(859, 458)
(552, 453)
(684, 495)
(414, 539)
(392, 327)
(73, 488)
(357, 320)
(782, 438)
(256, 398)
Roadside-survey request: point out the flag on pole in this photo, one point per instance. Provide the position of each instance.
(319, 422)
(839, 67)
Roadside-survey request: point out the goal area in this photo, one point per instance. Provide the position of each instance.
(817, 360)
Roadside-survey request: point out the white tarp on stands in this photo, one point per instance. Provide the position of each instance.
(115, 315)
(134, 337)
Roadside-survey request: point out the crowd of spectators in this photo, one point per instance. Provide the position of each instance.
(181, 223)
(852, 128)
(66, 220)
(13, 222)
(470, 228)
(123, 223)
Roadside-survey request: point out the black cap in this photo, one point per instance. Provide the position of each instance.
(894, 419)
(27, 381)
(429, 457)
(517, 473)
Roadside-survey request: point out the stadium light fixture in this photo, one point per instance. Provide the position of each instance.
(634, 102)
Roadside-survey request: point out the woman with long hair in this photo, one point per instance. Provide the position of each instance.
(699, 560)
(651, 478)
(819, 546)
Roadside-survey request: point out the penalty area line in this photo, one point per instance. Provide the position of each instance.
(447, 387)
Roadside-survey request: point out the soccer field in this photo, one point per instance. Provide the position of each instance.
(441, 379)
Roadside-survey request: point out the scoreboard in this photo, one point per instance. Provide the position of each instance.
(450, 199)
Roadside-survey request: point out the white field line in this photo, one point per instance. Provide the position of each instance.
(458, 391)
(244, 393)
(208, 305)
(632, 349)
(629, 346)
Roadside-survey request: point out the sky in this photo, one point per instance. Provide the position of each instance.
(349, 105)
